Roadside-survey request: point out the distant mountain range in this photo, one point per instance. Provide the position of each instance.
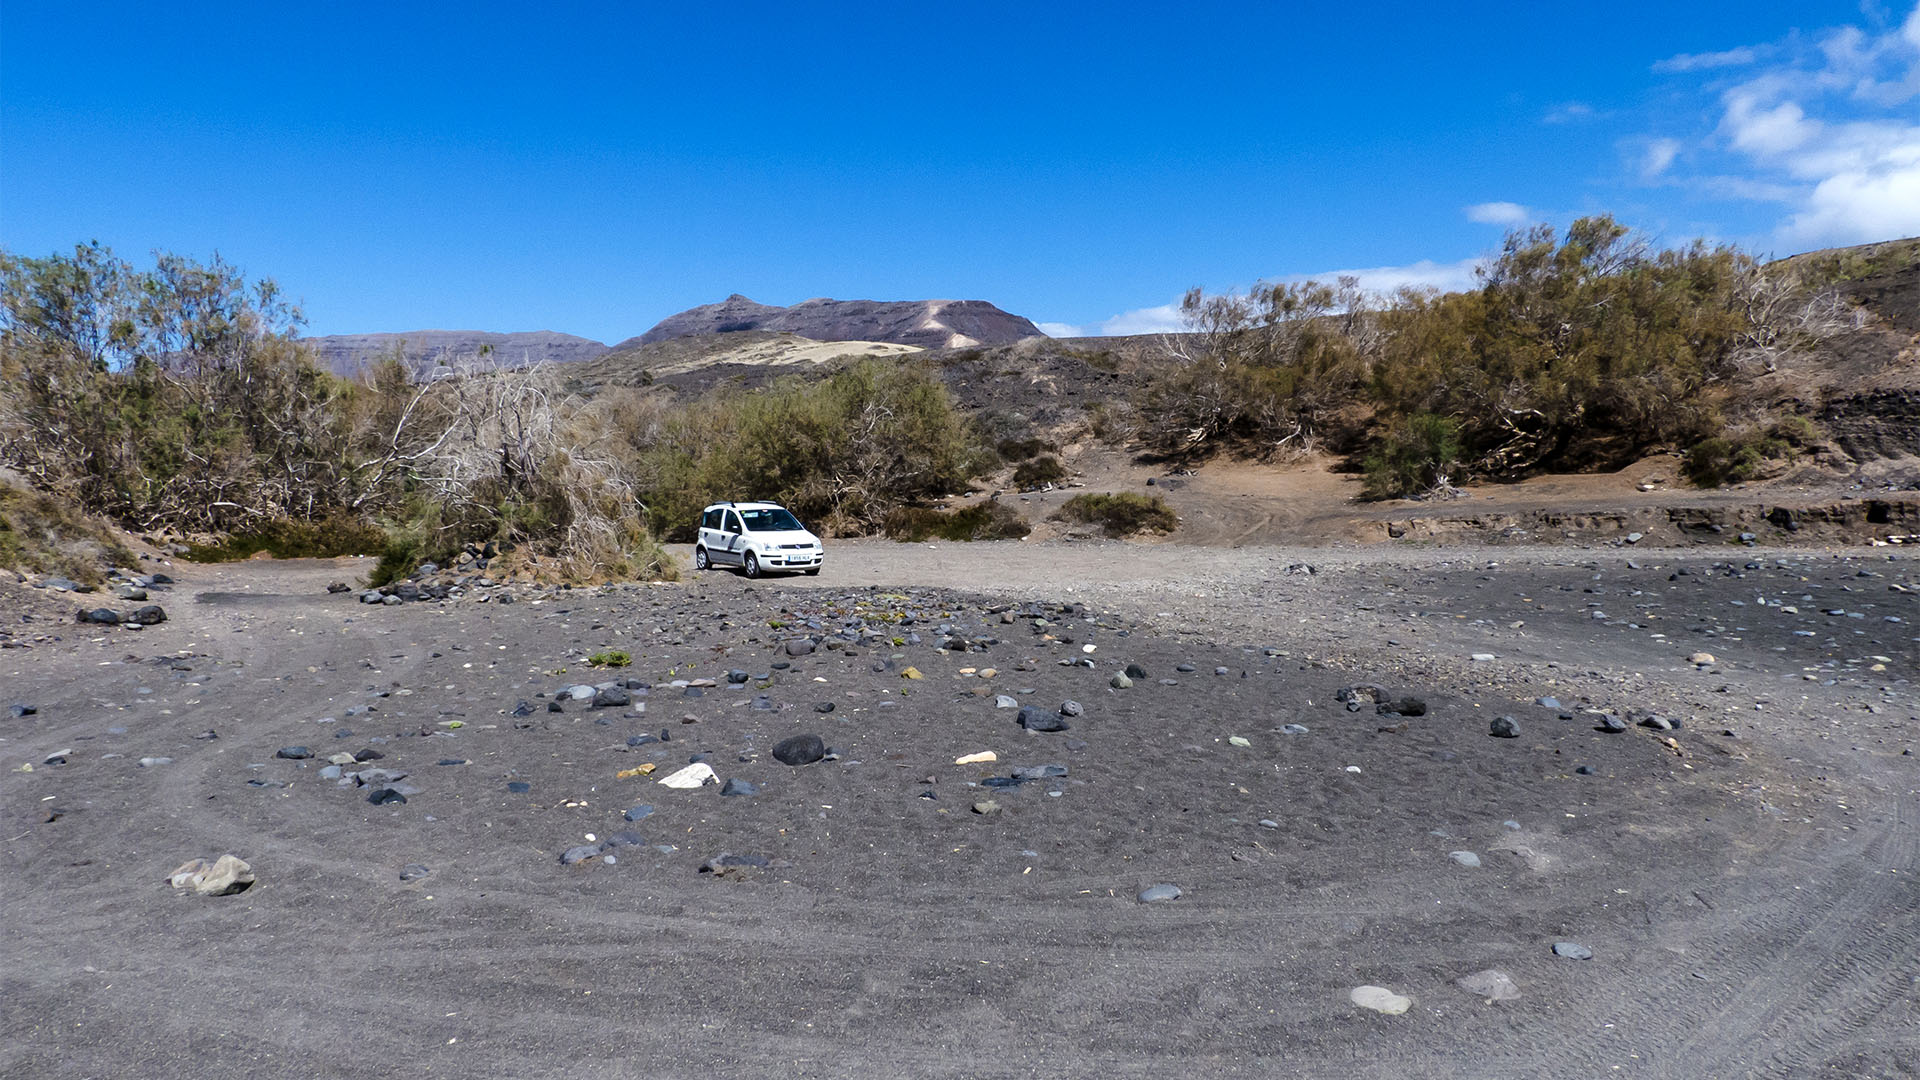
(928, 324)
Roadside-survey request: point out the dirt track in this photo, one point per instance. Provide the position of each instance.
(1751, 900)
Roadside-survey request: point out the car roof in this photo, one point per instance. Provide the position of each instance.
(744, 506)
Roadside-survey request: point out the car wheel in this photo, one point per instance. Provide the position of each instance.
(752, 565)
(700, 560)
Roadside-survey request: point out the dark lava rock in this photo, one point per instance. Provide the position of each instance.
(799, 750)
(1611, 724)
(611, 697)
(1034, 720)
(823, 707)
(800, 647)
(1135, 671)
(293, 753)
(1406, 706)
(1504, 727)
(1184, 669)
(340, 587)
(149, 615)
(414, 871)
(637, 813)
(727, 860)
(385, 795)
(1584, 770)
(17, 711)
(625, 838)
(519, 787)
(642, 740)
(1360, 695)
(580, 854)
(737, 786)
(101, 616)
(554, 706)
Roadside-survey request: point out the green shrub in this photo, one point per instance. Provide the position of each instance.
(324, 539)
(1120, 514)
(1020, 449)
(611, 658)
(45, 534)
(1749, 455)
(982, 521)
(1039, 472)
(1414, 455)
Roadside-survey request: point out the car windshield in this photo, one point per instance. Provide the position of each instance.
(774, 520)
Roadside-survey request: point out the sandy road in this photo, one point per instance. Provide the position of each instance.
(1754, 901)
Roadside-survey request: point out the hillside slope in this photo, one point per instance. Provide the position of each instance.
(929, 324)
(345, 354)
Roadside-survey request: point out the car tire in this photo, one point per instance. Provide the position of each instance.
(700, 559)
(751, 565)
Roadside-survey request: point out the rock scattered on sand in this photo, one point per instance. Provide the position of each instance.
(698, 774)
(737, 786)
(1120, 682)
(414, 871)
(1572, 950)
(1464, 858)
(983, 807)
(1154, 894)
(1380, 1000)
(799, 750)
(980, 758)
(1702, 659)
(1034, 720)
(1612, 724)
(636, 813)
(224, 876)
(1491, 984)
(293, 753)
(1504, 727)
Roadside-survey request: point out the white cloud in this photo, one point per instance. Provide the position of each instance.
(1657, 156)
(1826, 128)
(1569, 112)
(1498, 213)
(1446, 277)
(1163, 319)
(1742, 56)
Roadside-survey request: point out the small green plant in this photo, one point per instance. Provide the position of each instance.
(982, 521)
(1415, 455)
(1749, 455)
(610, 658)
(323, 539)
(1023, 448)
(1120, 514)
(1039, 472)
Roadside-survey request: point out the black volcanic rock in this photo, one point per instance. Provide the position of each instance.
(933, 324)
(346, 354)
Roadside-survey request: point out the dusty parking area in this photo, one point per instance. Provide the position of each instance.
(1744, 883)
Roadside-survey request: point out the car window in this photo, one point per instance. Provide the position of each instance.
(772, 519)
(733, 522)
(710, 520)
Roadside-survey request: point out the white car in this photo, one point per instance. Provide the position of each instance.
(756, 537)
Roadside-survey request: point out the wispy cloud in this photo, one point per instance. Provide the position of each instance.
(1161, 319)
(1657, 155)
(1824, 124)
(1499, 213)
(1165, 318)
(1746, 54)
(1569, 112)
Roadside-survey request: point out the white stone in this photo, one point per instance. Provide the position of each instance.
(1380, 1000)
(698, 774)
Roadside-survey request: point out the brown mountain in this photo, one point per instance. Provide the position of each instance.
(346, 354)
(931, 324)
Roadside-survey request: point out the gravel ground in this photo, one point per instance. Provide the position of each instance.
(1745, 884)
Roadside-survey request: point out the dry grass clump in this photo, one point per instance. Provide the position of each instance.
(44, 534)
(1120, 514)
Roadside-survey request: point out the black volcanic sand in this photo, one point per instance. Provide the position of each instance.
(1750, 910)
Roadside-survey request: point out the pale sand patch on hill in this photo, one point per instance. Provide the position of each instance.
(785, 352)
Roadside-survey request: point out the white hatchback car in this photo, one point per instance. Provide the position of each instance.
(756, 537)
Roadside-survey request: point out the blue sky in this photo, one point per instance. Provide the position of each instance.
(593, 168)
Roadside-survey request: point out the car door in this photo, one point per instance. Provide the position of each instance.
(735, 541)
